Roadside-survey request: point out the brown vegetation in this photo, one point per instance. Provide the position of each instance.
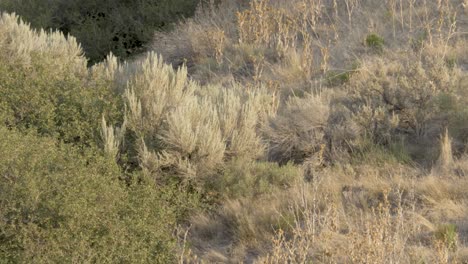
(308, 131)
(367, 90)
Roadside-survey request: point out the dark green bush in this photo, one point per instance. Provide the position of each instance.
(102, 26)
(58, 205)
(67, 203)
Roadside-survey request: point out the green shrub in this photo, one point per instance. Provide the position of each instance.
(367, 152)
(375, 42)
(121, 27)
(451, 62)
(335, 78)
(417, 42)
(45, 85)
(60, 206)
(241, 178)
(454, 109)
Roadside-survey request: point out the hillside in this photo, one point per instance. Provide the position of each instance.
(261, 131)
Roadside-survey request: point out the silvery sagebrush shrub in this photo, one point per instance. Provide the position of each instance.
(179, 127)
(298, 131)
(404, 87)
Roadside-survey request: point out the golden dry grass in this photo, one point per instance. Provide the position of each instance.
(361, 116)
(316, 131)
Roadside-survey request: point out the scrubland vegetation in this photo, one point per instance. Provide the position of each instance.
(262, 131)
(121, 27)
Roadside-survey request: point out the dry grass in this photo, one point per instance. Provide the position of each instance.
(366, 89)
(342, 216)
(319, 131)
(351, 98)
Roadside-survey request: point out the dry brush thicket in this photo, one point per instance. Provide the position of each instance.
(372, 109)
(311, 130)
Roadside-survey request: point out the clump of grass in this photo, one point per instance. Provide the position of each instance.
(367, 152)
(445, 161)
(241, 178)
(447, 234)
(380, 235)
(375, 42)
(335, 78)
(451, 62)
